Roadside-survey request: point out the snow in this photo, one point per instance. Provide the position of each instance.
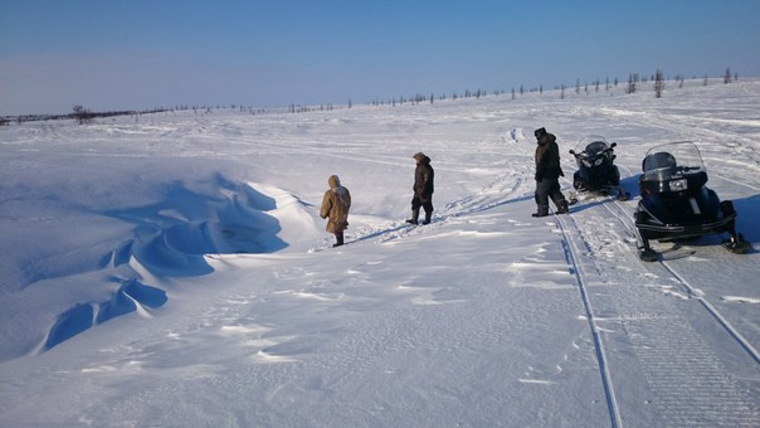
(172, 270)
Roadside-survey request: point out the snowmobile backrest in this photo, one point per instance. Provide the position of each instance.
(596, 147)
(659, 161)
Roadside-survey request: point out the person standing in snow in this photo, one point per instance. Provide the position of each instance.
(548, 171)
(335, 206)
(423, 189)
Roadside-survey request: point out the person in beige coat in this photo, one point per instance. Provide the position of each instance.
(335, 206)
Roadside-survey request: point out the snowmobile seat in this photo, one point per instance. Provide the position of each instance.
(661, 160)
(658, 166)
(595, 147)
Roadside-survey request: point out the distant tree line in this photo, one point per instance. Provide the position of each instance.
(80, 114)
(85, 116)
(635, 80)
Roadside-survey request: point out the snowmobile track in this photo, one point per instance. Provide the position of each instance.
(571, 252)
(688, 382)
(694, 294)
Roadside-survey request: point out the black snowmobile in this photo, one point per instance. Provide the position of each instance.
(596, 172)
(675, 203)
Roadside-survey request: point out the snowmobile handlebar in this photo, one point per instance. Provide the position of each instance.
(583, 153)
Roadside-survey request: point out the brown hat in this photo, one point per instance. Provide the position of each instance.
(419, 156)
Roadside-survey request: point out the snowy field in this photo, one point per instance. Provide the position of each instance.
(172, 270)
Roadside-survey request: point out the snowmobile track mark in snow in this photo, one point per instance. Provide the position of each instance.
(571, 253)
(384, 234)
(683, 372)
(466, 206)
(715, 313)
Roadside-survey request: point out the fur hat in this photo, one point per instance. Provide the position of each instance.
(333, 181)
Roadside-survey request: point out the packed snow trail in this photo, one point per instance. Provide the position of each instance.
(687, 374)
(572, 254)
(694, 293)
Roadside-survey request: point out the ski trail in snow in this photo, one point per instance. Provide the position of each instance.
(740, 183)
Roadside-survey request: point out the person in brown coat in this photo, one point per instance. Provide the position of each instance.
(548, 172)
(335, 206)
(423, 189)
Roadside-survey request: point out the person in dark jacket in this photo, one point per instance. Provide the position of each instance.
(548, 171)
(335, 206)
(423, 189)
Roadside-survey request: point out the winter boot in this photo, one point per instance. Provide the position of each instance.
(541, 211)
(339, 239)
(415, 217)
(428, 217)
(562, 207)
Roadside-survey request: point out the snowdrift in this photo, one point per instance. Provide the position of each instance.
(169, 239)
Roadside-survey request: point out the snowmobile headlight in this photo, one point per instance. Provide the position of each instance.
(598, 161)
(678, 185)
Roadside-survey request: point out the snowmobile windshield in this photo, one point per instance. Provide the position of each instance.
(672, 160)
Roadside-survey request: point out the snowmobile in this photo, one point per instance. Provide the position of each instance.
(675, 204)
(596, 171)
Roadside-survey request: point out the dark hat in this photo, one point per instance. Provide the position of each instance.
(419, 156)
(539, 132)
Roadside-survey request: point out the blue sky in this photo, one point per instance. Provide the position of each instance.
(140, 54)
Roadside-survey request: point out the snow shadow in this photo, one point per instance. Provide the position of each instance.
(170, 239)
(629, 184)
(131, 296)
(172, 235)
(748, 211)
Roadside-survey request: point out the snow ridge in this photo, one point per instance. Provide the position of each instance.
(171, 239)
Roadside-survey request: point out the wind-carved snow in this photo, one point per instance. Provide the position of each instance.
(170, 239)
